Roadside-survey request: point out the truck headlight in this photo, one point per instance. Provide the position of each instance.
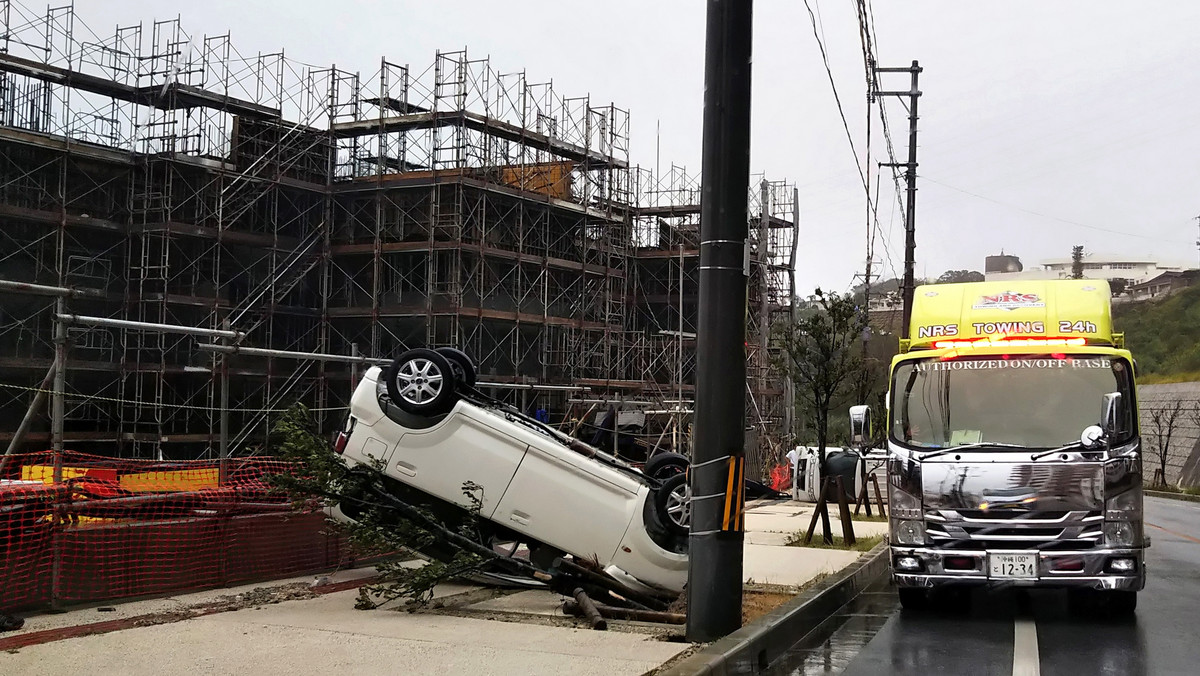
(908, 532)
(903, 505)
(1127, 505)
(1121, 533)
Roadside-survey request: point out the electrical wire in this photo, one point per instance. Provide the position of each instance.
(841, 111)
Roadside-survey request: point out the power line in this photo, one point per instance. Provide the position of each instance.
(1042, 215)
(866, 20)
(829, 71)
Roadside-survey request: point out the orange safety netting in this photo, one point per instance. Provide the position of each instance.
(781, 477)
(113, 528)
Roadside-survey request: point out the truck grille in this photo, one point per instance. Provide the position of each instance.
(1012, 529)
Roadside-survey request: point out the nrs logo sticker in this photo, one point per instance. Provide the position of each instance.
(1009, 300)
(937, 331)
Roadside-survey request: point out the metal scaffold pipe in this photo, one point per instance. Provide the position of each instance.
(70, 319)
(288, 354)
(43, 290)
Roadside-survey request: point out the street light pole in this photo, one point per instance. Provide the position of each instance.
(715, 559)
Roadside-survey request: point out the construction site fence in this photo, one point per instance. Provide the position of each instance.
(77, 528)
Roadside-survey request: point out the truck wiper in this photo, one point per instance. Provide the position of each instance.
(967, 447)
(1071, 446)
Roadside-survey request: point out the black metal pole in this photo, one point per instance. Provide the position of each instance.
(715, 564)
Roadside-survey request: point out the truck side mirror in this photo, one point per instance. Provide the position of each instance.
(1110, 414)
(860, 426)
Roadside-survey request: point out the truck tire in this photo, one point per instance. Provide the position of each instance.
(462, 366)
(673, 505)
(421, 382)
(663, 466)
(913, 598)
(1121, 603)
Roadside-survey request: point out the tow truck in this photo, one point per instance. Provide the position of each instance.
(1013, 450)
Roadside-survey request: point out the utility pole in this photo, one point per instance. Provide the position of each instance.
(910, 206)
(715, 557)
(1197, 219)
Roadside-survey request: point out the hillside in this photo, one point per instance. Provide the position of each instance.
(1164, 335)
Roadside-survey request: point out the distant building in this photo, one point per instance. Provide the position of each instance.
(1002, 263)
(1164, 284)
(1132, 270)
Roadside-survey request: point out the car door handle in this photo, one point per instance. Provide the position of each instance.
(520, 517)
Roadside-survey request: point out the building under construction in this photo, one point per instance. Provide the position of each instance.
(168, 179)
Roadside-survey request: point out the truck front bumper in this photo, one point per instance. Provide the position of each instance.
(1087, 569)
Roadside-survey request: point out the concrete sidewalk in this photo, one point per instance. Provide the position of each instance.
(470, 629)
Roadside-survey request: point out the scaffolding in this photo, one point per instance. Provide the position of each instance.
(327, 211)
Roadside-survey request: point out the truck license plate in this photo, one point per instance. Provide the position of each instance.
(1012, 566)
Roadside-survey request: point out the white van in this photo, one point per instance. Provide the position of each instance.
(423, 423)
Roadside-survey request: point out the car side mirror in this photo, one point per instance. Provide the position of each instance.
(860, 426)
(1110, 414)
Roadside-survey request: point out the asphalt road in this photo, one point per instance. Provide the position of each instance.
(1026, 633)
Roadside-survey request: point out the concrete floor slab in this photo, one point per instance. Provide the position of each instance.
(792, 566)
(767, 538)
(126, 609)
(326, 635)
(778, 523)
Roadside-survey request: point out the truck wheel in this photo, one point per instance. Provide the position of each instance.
(673, 505)
(462, 366)
(913, 598)
(421, 381)
(663, 466)
(1121, 603)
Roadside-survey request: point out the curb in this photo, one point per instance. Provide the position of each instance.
(1184, 497)
(755, 646)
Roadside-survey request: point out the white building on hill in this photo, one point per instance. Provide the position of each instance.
(1111, 267)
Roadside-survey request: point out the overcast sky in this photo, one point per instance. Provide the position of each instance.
(1043, 124)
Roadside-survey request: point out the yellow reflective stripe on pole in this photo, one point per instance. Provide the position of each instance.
(734, 518)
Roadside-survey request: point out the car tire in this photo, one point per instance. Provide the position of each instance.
(663, 466)
(673, 504)
(462, 366)
(421, 382)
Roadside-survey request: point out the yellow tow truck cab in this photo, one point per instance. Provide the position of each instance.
(1012, 443)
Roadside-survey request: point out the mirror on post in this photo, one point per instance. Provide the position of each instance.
(860, 427)
(1110, 416)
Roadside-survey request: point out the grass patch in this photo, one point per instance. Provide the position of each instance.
(1186, 490)
(874, 518)
(862, 544)
(1168, 378)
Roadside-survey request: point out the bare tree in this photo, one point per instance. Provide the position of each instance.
(821, 352)
(1162, 426)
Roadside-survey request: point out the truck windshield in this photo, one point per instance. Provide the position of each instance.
(1036, 401)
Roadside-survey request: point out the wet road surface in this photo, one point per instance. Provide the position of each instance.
(1024, 632)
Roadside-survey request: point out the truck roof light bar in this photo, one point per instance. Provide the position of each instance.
(1002, 341)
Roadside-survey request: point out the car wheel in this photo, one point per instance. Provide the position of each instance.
(421, 381)
(462, 366)
(663, 466)
(673, 502)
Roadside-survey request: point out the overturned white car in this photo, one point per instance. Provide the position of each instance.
(425, 426)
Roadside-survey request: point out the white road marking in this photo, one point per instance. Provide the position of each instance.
(1025, 648)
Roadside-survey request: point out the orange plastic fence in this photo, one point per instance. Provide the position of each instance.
(114, 528)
